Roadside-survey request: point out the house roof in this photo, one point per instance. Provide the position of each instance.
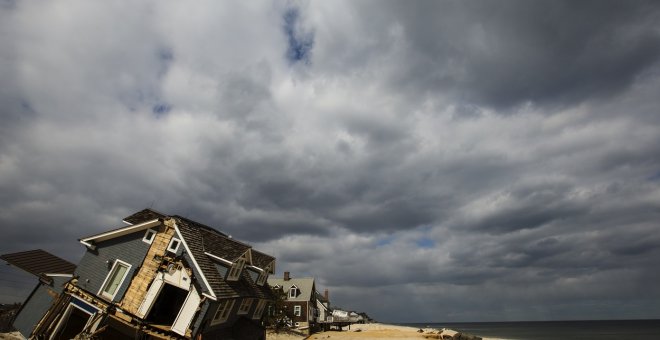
(222, 246)
(305, 284)
(262, 260)
(201, 240)
(39, 262)
(143, 216)
(110, 234)
(321, 297)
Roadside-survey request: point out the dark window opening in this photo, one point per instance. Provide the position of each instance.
(74, 324)
(167, 305)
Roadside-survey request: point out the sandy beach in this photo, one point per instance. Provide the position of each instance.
(372, 331)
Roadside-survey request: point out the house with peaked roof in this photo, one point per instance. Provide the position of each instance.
(165, 277)
(300, 302)
(323, 306)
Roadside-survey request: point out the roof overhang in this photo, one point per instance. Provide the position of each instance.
(218, 258)
(89, 241)
(212, 295)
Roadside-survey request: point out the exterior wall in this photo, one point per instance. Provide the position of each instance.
(302, 319)
(139, 285)
(198, 322)
(93, 267)
(36, 305)
(323, 310)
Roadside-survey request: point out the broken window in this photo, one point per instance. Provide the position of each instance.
(114, 279)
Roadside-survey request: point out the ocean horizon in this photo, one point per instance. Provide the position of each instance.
(555, 330)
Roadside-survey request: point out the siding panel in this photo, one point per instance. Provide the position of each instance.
(94, 266)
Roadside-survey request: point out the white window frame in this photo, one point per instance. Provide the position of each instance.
(222, 313)
(263, 275)
(244, 308)
(259, 310)
(175, 248)
(297, 310)
(65, 318)
(292, 290)
(149, 236)
(102, 291)
(236, 269)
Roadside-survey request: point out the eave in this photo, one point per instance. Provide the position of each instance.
(91, 240)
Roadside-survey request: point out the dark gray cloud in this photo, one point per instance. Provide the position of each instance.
(499, 157)
(550, 53)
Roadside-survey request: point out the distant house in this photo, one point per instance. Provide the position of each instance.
(323, 306)
(300, 300)
(162, 277)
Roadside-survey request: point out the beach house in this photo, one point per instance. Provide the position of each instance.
(161, 276)
(300, 299)
(323, 306)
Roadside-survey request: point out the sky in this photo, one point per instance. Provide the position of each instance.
(424, 161)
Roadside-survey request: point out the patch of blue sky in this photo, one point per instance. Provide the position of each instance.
(425, 242)
(8, 4)
(385, 241)
(300, 42)
(160, 109)
(655, 177)
(165, 56)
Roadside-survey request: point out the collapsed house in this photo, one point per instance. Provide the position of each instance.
(52, 272)
(164, 277)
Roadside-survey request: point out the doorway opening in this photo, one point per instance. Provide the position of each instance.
(167, 305)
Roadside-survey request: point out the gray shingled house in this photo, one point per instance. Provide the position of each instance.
(162, 277)
(300, 303)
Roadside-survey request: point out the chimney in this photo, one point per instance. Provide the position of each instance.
(325, 295)
(287, 277)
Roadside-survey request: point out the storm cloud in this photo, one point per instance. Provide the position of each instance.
(503, 157)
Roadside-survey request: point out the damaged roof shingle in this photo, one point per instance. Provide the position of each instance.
(144, 216)
(39, 262)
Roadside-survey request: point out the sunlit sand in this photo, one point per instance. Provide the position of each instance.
(373, 331)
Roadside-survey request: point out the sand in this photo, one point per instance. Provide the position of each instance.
(11, 336)
(371, 331)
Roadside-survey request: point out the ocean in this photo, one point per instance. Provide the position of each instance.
(556, 330)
